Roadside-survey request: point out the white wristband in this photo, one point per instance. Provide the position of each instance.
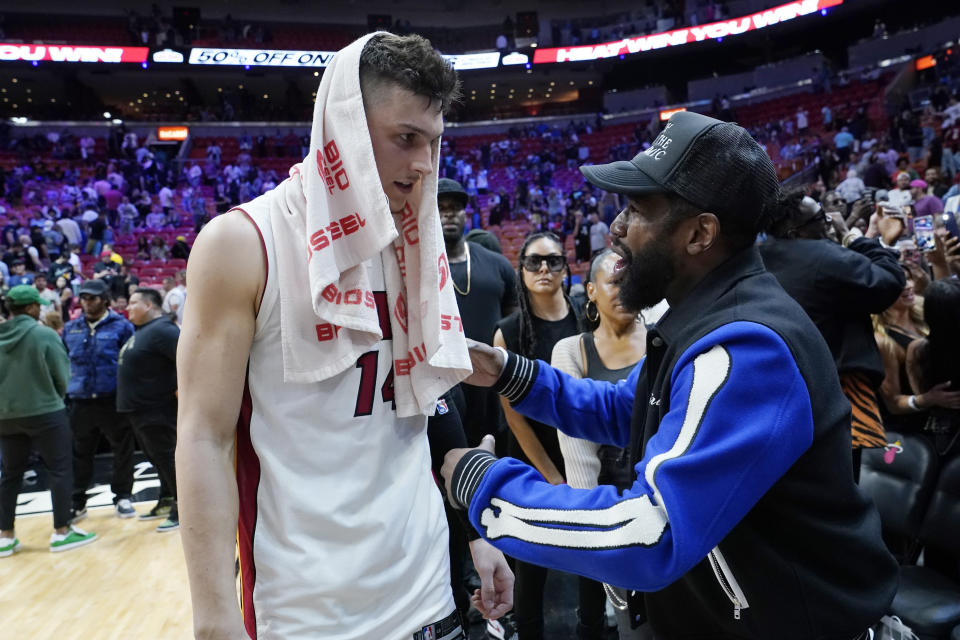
(851, 235)
(912, 401)
(506, 357)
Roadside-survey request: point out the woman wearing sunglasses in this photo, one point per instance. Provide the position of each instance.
(546, 315)
(611, 347)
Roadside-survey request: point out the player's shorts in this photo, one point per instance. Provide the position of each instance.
(449, 628)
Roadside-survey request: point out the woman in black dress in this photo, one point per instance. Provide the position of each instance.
(546, 315)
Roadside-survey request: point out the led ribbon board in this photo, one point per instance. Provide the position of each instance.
(260, 57)
(70, 53)
(285, 58)
(677, 37)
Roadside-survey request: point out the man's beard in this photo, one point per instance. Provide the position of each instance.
(647, 275)
(450, 239)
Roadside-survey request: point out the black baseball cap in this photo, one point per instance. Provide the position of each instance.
(715, 165)
(94, 287)
(448, 187)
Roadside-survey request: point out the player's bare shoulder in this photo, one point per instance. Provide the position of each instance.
(227, 262)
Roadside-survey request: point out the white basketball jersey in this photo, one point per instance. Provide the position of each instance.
(342, 531)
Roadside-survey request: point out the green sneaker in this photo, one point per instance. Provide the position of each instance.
(9, 546)
(70, 540)
(168, 525)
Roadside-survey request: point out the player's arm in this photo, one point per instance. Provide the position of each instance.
(526, 438)
(226, 276)
(583, 408)
(649, 535)
(495, 595)
(866, 278)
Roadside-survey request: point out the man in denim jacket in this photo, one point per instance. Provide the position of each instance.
(93, 343)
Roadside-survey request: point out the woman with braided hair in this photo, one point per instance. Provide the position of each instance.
(612, 344)
(546, 315)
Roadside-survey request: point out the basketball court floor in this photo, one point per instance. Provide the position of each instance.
(131, 583)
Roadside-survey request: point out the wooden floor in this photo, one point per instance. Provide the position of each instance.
(130, 583)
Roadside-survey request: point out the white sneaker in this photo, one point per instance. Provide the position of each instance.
(9, 546)
(125, 509)
(496, 630)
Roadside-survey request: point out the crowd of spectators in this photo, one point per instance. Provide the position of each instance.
(70, 189)
(67, 219)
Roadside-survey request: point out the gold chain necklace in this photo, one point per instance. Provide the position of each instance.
(466, 246)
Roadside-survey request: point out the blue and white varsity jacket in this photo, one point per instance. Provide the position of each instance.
(743, 520)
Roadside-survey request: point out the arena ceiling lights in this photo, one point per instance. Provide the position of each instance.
(712, 31)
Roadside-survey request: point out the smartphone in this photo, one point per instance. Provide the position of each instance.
(908, 254)
(950, 223)
(923, 233)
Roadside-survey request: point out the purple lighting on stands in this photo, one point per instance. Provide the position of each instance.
(719, 39)
(621, 56)
(35, 63)
(823, 12)
(143, 64)
(527, 65)
(247, 67)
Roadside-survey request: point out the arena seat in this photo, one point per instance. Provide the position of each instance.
(927, 601)
(901, 490)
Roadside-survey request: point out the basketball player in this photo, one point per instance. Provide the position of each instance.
(342, 534)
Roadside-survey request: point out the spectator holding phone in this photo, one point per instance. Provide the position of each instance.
(839, 286)
(944, 259)
(887, 223)
(861, 210)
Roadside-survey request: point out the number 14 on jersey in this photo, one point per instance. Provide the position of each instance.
(367, 363)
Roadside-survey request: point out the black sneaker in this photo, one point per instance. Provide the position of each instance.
(168, 525)
(76, 515)
(160, 510)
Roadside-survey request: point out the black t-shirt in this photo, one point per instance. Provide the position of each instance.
(97, 228)
(147, 367)
(583, 233)
(58, 269)
(120, 286)
(493, 288)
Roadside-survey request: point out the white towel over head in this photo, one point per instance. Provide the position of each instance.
(330, 217)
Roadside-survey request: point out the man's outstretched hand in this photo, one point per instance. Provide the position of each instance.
(487, 364)
(453, 457)
(495, 595)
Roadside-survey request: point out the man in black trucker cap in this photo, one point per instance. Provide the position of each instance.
(743, 520)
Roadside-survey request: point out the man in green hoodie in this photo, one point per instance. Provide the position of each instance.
(34, 371)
